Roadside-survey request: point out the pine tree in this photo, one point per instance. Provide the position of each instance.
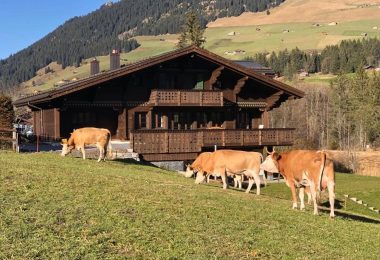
(6, 112)
(191, 32)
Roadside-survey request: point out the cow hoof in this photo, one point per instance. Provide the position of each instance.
(294, 206)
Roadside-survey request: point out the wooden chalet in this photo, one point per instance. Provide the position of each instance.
(172, 106)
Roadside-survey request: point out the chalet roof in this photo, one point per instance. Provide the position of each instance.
(250, 64)
(133, 67)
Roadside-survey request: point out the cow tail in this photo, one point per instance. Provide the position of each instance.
(323, 164)
(109, 146)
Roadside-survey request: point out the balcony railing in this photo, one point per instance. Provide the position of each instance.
(192, 141)
(170, 97)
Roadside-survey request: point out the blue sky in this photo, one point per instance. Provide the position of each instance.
(23, 22)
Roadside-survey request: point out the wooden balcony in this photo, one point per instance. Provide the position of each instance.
(192, 141)
(172, 97)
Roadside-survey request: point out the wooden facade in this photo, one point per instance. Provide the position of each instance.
(171, 107)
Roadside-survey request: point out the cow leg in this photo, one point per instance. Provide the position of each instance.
(240, 181)
(331, 188)
(224, 180)
(308, 198)
(258, 183)
(313, 192)
(223, 174)
(302, 198)
(264, 179)
(294, 194)
(101, 153)
(250, 184)
(105, 152)
(235, 181)
(208, 178)
(83, 152)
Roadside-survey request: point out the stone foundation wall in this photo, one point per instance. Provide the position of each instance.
(170, 165)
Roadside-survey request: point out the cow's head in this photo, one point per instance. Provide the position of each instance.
(66, 149)
(189, 171)
(270, 164)
(201, 176)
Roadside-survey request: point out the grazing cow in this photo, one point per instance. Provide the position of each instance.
(198, 164)
(304, 168)
(203, 165)
(88, 135)
(230, 163)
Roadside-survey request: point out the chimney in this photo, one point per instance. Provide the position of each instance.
(94, 67)
(114, 59)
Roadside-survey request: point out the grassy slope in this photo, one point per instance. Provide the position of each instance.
(271, 37)
(321, 11)
(68, 208)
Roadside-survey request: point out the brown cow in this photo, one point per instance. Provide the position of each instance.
(198, 164)
(203, 165)
(230, 163)
(302, 168)
(88, 135)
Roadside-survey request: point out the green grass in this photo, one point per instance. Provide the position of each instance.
(271, 37)
(52, 207)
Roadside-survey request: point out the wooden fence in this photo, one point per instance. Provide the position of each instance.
(167, 97)
(8, 135)
(192, 141)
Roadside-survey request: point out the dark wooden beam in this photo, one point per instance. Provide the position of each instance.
(239, 85)
(271, 101)
(214, 76)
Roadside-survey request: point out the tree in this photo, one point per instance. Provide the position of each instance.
(6, 111)
(191, 32)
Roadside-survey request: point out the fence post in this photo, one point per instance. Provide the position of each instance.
(15, 143)
(38, 143)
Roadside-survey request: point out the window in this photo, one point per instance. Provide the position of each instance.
(140, 120)
(158, 120)
(80, 119)
(200, 82)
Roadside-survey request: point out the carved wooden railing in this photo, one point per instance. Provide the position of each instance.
(190, 141)
(172, 97)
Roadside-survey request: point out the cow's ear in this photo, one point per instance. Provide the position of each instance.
(276, 156)
(64, 141)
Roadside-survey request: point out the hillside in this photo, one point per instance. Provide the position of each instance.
(69, 208)
(112, 26)
(297, 11)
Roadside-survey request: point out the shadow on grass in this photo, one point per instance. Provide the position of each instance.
(134, 162)
(339, 204)
(352, 216)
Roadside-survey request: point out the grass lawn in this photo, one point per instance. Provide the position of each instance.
(52, 207)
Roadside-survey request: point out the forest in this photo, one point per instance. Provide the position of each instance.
(342, 116)
(347, 57)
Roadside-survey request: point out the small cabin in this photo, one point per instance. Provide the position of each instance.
(172, 106)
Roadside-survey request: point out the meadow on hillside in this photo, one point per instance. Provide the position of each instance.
(53, 207)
